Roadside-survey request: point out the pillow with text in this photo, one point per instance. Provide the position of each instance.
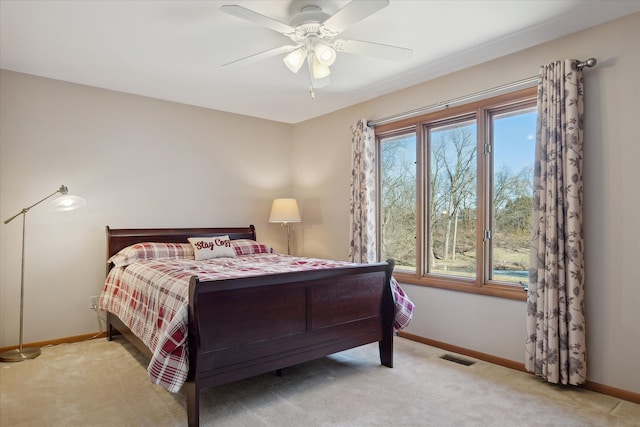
(212, 247)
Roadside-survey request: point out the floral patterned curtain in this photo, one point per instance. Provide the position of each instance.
(555, 346)
(362, 205)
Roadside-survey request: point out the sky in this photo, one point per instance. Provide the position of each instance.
(514, 141)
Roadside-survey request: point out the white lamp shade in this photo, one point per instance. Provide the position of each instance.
(319, 71)
(325, 54)
(67, 202)
(284, 210)
(295, 60)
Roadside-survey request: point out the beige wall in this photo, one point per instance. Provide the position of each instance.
(321, 173)
(138, 162)
(144, 162)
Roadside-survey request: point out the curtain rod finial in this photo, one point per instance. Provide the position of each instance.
(588, 63)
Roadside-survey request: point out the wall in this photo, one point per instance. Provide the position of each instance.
(138, 162)
(321, 173)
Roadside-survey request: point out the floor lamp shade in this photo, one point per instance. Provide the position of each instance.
(285, 211)
(63, 203)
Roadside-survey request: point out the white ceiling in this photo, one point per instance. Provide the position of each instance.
(174, 50)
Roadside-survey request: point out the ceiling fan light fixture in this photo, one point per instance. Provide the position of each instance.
(318, 70)
(295, 60)
(313, 33)
(325, 55)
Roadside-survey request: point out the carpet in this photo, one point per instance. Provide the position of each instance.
(101, 383)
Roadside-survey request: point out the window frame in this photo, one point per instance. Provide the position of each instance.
(482, 111)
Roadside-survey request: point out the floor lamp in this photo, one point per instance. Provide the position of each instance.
(285, 211)
(66, 202)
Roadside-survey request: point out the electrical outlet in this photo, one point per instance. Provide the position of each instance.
(93, 302)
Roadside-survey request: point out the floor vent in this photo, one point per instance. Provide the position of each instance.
(455, 359)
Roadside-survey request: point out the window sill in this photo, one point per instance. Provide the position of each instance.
(489, 289)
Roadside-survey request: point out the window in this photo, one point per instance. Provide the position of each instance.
(453, 187)
(455, 195)
(398, 197)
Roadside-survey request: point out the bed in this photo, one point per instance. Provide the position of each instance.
(240, 326)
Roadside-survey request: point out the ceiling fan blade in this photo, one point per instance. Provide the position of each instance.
(257, 18)
(262, 55)
(378, 50)
(352, 13)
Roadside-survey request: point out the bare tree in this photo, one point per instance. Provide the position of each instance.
(398, 201)
(452, 197)
(455, 149)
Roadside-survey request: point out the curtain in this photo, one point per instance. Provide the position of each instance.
(362, 207)
(362, 204)
(555, 345)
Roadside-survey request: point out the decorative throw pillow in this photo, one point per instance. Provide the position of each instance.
(248, 247)
(151, 250)
(212, 247)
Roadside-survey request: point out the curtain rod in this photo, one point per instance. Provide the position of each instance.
(520, 84)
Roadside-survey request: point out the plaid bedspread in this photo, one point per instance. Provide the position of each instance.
(151, 297)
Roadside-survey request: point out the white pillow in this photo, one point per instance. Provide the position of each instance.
(212, 247)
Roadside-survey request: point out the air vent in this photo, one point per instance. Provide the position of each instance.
(458, 360)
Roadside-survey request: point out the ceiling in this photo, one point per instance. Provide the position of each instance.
(175, 50)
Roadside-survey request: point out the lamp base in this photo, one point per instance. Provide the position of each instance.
(18, 356)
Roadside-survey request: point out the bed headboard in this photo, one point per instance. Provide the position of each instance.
(120, 238)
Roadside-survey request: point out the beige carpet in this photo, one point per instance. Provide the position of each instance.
(101, 383)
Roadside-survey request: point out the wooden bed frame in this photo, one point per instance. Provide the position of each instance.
(243, 327)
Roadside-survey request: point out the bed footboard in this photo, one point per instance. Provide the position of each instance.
(244, 327)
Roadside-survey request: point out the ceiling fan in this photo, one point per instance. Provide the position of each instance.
(314, 36)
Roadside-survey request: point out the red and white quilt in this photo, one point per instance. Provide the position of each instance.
(151, 297)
